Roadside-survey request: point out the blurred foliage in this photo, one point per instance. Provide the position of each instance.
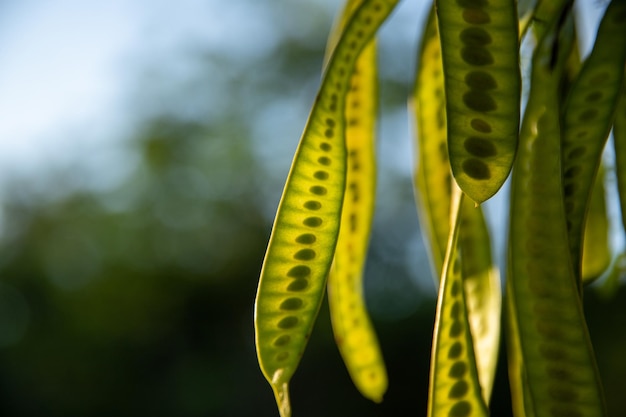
(137, 298)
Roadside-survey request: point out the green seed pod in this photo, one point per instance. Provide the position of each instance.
(479, 42)
(587, 119)
(353, 330)
(619, 142)
(483, 296)
(553, 369)
(433, 184)
(432, 178)
(454, 385)
(304, 236)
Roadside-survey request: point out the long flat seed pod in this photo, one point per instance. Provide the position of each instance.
(596, 250)
(479, 42)
(352, 327)
(553, 358)
(304, 236)
(433, 182)
(432, 178)
(454, 385)
(587, 119)
(619, 142)
(481, 281)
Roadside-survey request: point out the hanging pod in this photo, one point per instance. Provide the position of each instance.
(433, 185)
(587, 119)
(619, 142)
(454, 388)
(304, 236)
(479, 43)
(432, 175)
(551, 362)
(354, 333)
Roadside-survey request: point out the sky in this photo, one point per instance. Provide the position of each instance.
(64, 65)
(67, 67)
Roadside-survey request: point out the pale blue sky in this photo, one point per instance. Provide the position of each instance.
(66, 66)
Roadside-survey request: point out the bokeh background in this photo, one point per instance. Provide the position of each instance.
(143, 149)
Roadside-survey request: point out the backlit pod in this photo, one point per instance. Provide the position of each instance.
(587, 119)
(353, 330)
(454, 389)
(432, 178)
(479, 42)
(596, 251)
(553, 362)
(304, 236)
(433, 181)
(619, 142)
(481, 281)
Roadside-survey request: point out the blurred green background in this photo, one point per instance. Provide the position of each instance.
(129, 263)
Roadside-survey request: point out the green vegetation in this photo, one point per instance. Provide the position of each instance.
(466, 104)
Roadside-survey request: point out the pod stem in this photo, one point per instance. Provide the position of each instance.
(281, 393)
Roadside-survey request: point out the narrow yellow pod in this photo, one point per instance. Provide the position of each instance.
(304, 236)
(352, 327)
(432, 175)
(483, 294)
(454, 385)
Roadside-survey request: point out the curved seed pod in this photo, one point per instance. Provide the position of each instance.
(353, 330)
(596, 251)
(479, 41)
(304, 236)
(619, 142)
(454, 386)
(550, 341)
(587, 119)
(433, 182)
(481, 281)
(432, 178)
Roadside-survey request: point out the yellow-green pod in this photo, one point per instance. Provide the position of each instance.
(432, 175)
(454, 385)
(553, 360)
(596, 250)
(587, 119)
(479, 43)
(483, 296)
(619, 143)
(304, 236)
(433, 182)
(352, 327)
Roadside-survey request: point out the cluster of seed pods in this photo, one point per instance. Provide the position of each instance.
(433, 190)
(466, 105)
(479, 43)
(306, 228)
(553, 370)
